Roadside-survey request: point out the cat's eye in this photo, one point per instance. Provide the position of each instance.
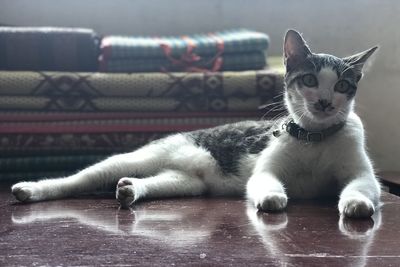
(309, 80)
(342, 86)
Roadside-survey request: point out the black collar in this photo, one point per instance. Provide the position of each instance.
(311, 136)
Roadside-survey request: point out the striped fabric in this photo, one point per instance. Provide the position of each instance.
(229, 50)
(235, 41)
(32, 175)
(154, 122)
(52, 163)
(230, 62)
(24, 134)
(30, 144)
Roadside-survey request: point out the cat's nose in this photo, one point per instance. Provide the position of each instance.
(322, 104)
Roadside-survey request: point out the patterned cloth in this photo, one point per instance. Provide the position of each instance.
(55, 49)
(152, 123)
(229, 62)
(44, 120)
(88, 134)
(56, 144)
(67, 142)
(234, 41)
(66, 84)
(229, 50)
(52, 163)
(137, 104)
(218, 91)
(25, 176)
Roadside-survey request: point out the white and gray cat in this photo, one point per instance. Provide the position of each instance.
(317, 151)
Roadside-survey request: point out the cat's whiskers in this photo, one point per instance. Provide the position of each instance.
(278, 118)
(270, 104)
(278, 107)
(278, 95)
(300, 114)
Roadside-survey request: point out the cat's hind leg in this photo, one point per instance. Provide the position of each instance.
(102, 176)
(168, 183)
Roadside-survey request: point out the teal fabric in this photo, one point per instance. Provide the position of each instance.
(230, 62)
(235, 41)
(49, 163)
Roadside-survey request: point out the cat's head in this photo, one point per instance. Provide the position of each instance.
(320, 88)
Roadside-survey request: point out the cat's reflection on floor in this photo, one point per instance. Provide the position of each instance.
(187, 226)
(175, 227)
(358, 235)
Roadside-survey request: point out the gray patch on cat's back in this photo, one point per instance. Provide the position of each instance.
(229, 143)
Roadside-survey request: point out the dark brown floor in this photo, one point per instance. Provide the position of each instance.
(91, 231)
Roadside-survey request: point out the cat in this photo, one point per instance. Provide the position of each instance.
(318, 150)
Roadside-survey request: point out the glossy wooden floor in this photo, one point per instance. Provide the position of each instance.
(91, 231)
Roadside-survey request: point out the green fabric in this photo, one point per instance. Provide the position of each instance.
(230, 62)
(48, 163)
(234, 41)
(26, 176)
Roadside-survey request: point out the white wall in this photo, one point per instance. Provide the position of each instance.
(340, 27)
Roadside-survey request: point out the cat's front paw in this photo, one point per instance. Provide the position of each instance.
(25, 191)
(272, 202)
(356, 207)
(125, 193)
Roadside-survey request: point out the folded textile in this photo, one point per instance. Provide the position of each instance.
(46, 48)
(24, 176)
(149, 124)
(55, 144)
(137, 104)
(229, 62)
(84, 134)
(51, 163)
(262, 83)
(144, 117)
(233, 41)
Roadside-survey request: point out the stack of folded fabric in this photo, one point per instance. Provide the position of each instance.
(221, 51)
(45, 48)
(58, 115)
(59, 122)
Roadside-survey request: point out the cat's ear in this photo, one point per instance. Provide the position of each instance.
(358, 60)
(295, 49)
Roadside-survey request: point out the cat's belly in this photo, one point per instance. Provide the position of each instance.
(307, 186)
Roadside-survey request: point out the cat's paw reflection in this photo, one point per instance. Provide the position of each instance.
(24, 214)
(265, 221)
(356, 228)
(273, 222)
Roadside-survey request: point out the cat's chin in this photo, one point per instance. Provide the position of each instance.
(322, 117)
(327, 120)
(319, 120)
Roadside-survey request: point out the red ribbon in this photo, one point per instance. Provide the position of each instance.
(187, 60)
